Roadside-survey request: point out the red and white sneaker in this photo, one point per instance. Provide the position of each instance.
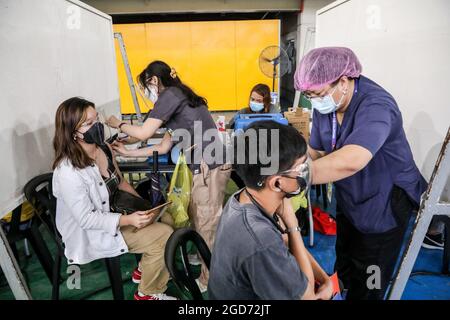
(155, 296)
(137, 274)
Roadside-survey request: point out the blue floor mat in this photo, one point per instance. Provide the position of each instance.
(419, 287)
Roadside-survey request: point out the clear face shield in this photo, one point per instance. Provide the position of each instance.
(302, 175)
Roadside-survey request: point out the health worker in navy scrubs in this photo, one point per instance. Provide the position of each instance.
(358, 143)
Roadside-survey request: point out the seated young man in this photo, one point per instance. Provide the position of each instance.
(250, 260)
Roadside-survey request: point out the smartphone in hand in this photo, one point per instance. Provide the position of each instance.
(157, 212)
(122, 136)
(112, 139)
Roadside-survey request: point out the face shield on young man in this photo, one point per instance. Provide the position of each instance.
(302, 174)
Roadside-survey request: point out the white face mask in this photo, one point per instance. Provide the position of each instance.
(151, 94)
(326, 104)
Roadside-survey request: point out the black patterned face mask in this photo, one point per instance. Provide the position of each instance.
(95, 134)
(303, 177)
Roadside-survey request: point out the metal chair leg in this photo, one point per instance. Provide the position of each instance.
(40, 248)
(56, 278)
(115, 277)
(13, 247)
(138, 257)
(26, 248)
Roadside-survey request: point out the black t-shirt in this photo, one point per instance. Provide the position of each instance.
(176, 112)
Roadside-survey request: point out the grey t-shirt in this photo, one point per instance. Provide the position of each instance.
(250, 260)
(176, 112)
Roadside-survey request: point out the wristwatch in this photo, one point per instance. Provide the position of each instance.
(290, 230)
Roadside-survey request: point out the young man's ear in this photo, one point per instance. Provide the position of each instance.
(273, 183)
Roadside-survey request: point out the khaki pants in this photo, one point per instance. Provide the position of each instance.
(151, 242)
(205, 208)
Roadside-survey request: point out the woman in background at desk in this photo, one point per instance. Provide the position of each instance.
(259, 102)
(85, 179)
(176, 106)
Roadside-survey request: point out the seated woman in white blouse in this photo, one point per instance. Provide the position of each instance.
(84, 179)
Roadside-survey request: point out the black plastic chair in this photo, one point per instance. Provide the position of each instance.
(38, 192)
(237, 179)
(29, 230)
(184, 279)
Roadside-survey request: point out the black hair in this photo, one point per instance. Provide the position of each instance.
(169, 78)
(291, 147)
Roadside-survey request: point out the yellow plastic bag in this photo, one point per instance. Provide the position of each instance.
(299, 201)
(180, 193)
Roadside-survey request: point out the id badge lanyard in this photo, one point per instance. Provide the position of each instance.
(334, 141)
(333, 147)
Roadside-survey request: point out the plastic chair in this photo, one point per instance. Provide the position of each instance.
(184, 278)
(38, 192)
(17, 230)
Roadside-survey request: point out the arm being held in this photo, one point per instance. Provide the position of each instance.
(162, 148)
(340, 164)
(371, 130)
(146, 131)
(314, 154)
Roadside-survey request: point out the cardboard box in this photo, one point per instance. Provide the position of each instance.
(299, 119)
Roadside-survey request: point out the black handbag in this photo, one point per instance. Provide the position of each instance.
(125, 202)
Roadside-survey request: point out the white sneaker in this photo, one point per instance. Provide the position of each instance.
(156, 296)
(201, 286)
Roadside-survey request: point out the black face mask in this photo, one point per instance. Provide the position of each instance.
(95, 134)
(301, 186)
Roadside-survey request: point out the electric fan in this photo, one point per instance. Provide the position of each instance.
(274, 63)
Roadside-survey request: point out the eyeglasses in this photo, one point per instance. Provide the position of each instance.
(302, 174)
(302, 170)
(310, 97)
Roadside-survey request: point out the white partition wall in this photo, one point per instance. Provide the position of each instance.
(404, 45)
(50, 50)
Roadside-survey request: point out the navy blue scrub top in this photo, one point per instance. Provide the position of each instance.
(374, 122)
